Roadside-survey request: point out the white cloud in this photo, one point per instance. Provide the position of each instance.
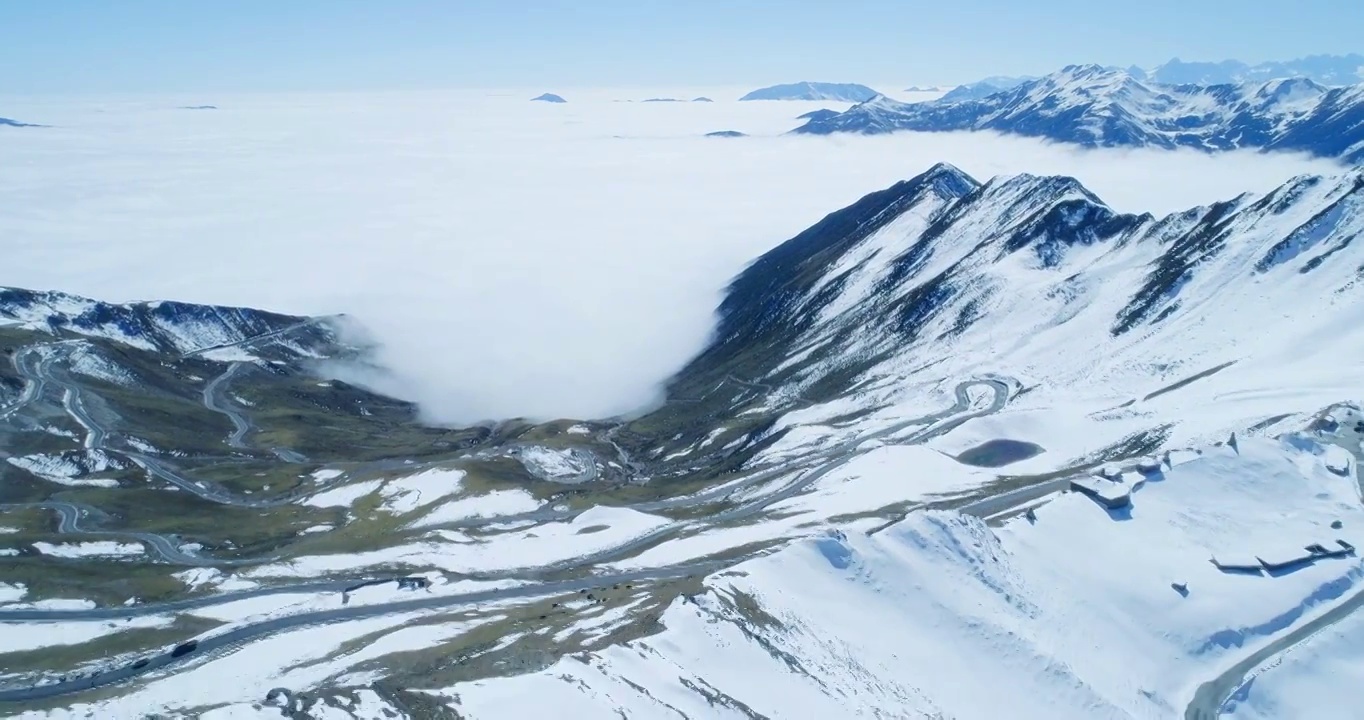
(514, 258)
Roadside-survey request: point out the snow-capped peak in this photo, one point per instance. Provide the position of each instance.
(948, 180)
(878, 101)
(1300, 92)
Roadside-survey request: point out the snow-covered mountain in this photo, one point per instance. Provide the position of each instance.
(163, 326)
(549, 98)
(983, 88)
(1094, 106)
(6, 122)
(1035, 277)
(840, 92)
(1324, 69)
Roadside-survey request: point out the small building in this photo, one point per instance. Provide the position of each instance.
(1291, 558)
(413, 583)
(1238, 564)
(1133, 480)
(1340, 549)
(1278, 562)
(1148, 466)
(1112, 495)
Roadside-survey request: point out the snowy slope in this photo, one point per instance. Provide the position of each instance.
(1071, 616)
(1184, 327)
(1319, 679)
(1094, 106)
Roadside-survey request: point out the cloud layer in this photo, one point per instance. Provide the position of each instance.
(513, 258)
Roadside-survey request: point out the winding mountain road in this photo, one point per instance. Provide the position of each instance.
(214, 400)
(31, 364)
(828, 460)
(248, 341)
(95, 435)
(208, 645)
(123, 612)
(815, 467)
(69, 523)
(35, 366)
(40, 375)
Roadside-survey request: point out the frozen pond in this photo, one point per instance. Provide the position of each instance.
(1000, 452)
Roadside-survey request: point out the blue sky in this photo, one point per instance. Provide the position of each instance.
(245, 45)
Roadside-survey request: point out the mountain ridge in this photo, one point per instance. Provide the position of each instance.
(1093, 106)
(919, 269)
(1326, 69)
(161, 325)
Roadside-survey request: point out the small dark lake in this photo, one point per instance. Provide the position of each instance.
(998, 453)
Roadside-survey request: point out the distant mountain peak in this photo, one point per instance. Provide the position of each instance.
(1328, 70)
(549, 98)
(807, 90)
(983, 88)
(1084, 70)
(879, 101)
(820, 114)
(1292, 88)
(1094, 79)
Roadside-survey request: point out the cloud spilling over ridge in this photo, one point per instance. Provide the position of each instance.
(512, 258)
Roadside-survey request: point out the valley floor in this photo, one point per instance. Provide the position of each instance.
(938, 614)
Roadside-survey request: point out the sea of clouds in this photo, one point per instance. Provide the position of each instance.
(512, 258)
